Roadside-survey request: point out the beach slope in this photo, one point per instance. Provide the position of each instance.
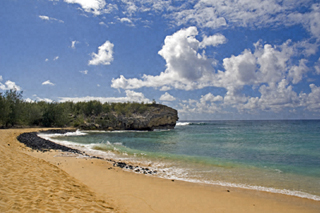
(29, 184)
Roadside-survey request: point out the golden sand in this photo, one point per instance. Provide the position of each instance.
(32, 181)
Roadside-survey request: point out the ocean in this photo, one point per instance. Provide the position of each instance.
(273, 156)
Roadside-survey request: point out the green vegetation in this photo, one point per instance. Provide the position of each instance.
(15, 112)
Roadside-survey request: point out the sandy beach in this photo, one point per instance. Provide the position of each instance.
(32, 181)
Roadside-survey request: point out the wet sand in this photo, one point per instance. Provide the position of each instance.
(58, 182)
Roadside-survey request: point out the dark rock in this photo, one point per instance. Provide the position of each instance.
(57, 131)
(32, 140)
(120, 164)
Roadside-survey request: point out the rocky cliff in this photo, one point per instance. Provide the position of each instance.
(156, 116)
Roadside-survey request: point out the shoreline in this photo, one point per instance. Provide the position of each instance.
(144, 168)
(133, 192)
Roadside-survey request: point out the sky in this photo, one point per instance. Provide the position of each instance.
(209, 59)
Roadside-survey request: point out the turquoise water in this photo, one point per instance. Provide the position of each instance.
(276, 156)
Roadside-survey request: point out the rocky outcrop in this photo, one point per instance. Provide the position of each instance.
(156, 116)
(32, 140)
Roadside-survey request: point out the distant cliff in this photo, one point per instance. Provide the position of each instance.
(154, 116)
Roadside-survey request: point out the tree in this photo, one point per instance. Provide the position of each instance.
(55, 115)
(32, 113)
(11, 108)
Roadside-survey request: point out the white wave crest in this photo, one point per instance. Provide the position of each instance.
(182, 123)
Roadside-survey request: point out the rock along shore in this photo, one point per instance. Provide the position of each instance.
(33, 141)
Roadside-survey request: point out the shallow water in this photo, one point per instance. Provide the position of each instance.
(276, 156)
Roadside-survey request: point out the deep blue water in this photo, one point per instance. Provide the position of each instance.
(278, 156)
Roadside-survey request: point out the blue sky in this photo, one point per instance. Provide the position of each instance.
(209, 59)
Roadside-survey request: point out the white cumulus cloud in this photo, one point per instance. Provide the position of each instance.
(206, 104)
(36, 98)
(274, 97)
(48, 82)
(213, 40)
(104, 56)
(186, 68)
(93, 6)
(167, 97)
(126, 20)
(312, 100)
(9, 85)
(296, 72)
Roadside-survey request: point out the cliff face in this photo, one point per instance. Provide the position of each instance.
(156, 116)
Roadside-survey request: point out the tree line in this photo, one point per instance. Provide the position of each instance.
(14, 111)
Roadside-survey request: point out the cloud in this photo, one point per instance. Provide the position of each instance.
(131, 96)
(44, 17)
(165, 88)
(56, 58)
(9, 85)
(179, 50)
(206, 104)
(126, 20)
(46, 60)
(267, 69)
(210, 98)
(84, 72)
(273, 97)
(314, 21)
(248, 13)
(296, 72)
(38, 99)
(104, 56)
(186, 68)
(91, 6)
(239, 70)
(310, 20)
(73, 44)
(167, 97)
(48, 82)
(312, 100)
(214, 40)
(201, 16)
(267, 64)
(47, 18)
(317, 67)
(103, 24)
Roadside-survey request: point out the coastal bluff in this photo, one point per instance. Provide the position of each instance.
(155, 116)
